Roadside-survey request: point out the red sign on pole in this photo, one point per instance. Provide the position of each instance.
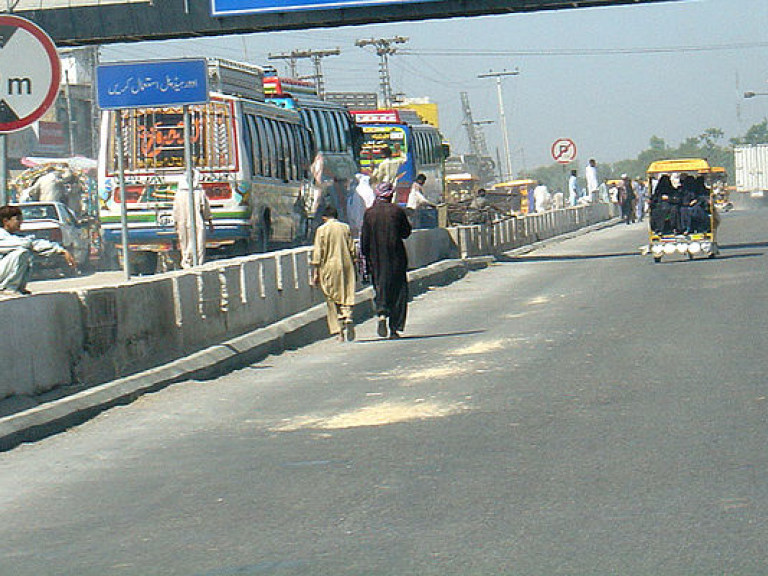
(30, 73)
(564, 150)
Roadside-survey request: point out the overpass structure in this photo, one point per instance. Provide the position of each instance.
(85, 22)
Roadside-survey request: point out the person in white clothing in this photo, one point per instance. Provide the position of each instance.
(417, 201)
(573, 189)
(183, 221)
(593, 184)
(542, 199)
(16, 252)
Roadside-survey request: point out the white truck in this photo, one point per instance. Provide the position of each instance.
(751, 166)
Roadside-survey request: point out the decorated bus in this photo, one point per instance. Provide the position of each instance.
(252, 159)
(419, 145)
(336, 136)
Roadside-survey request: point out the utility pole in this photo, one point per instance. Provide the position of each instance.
(498, 76)
(384, 48)
(290, 57)
(316, 56)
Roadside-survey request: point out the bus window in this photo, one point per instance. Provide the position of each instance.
(334, 131)
(269, 139)
(316, 129)
(253, 132)
(346, 122)
(286, 145)
(248, 143)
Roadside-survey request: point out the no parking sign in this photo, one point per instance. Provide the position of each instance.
(564, 150)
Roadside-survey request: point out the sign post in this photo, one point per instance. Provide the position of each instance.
(30, 73)
(564, 152)
(147, 85)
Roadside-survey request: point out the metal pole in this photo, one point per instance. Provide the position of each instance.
(3, 170)
(71, 128)
(190, 184)
(498, 76)
(123, 195)
(504, 131)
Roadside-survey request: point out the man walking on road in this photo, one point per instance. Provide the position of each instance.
(333, 259)
(385, 226)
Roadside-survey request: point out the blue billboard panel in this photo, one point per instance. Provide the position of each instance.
(153, 83)
(239, 7)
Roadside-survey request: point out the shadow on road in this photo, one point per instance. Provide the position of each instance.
(565, 257)
(421, 336)
(743, 245)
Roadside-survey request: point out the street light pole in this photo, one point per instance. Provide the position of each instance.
(505, 133)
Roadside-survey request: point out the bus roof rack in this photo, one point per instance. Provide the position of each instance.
(236, 78)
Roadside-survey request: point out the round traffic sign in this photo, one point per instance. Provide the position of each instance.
(564, 150)
(30, 73)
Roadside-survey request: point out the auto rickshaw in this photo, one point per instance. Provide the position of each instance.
(669, 242)
(514, 196)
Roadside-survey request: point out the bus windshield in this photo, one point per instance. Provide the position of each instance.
(376, 139)
(154, 138)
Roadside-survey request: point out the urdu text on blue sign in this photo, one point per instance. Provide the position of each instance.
(240, 7)
(151, 84)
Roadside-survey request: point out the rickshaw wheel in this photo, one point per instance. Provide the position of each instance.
(656, 259)
(690, 256)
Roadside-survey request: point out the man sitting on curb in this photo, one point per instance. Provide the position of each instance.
(16, 252)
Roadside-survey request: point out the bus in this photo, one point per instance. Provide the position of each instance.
(252, 159)
(336, 136)
(406, 135)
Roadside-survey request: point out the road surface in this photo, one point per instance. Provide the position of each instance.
(578, 410)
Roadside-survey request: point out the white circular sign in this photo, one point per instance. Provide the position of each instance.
(30, 73)
(564, 150)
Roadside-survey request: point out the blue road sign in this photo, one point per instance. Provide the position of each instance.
(152, 83)
(239, 7)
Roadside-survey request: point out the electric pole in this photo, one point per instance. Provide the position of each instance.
(498, 76)
(317, 61)
(290, 57)
(384, 48)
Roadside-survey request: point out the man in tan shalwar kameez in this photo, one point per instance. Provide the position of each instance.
(333, 259)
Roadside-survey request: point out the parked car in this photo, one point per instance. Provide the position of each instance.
(55, 221)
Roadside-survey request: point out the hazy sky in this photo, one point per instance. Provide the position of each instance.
(609, 78)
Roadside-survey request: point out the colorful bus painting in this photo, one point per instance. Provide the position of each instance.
(419, 145)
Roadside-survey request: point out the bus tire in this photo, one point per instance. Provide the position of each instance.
(143, 263)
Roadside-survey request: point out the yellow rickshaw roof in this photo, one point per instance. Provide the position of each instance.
(679, 165)
(717, 170)
(512, 183)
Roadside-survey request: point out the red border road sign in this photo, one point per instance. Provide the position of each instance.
(48, 71)
(564, 150)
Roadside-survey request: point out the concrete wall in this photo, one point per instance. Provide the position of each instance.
(96, 335)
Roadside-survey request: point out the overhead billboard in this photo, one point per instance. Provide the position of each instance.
(240, 7)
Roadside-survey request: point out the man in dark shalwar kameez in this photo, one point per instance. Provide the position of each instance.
(385, 226)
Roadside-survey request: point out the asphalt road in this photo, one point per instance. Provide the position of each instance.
(578, 410)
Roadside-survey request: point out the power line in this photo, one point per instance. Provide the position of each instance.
(450, 52)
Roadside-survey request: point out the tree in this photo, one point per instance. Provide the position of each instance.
(756, 134)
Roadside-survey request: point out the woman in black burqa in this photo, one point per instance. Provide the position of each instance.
(665, 207)
(385, 226)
